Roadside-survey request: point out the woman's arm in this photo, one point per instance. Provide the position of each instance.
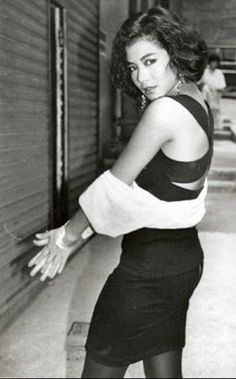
(115, 208)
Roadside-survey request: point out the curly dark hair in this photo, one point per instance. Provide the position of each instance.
(188, 52)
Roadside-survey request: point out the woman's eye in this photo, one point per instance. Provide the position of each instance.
(149, 62)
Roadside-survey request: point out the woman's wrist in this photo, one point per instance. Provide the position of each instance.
(61, 240)
(70, 239)
(74, 231)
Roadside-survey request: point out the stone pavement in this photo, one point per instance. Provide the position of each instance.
(228, 107)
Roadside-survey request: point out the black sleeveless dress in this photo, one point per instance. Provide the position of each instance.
(141, 311)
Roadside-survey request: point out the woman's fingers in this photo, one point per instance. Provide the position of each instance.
(34, 259)
(41, 242)
(50, 259)
(45, 274)
(62, 265)
(55, 267)
(41, 255)
(44, 235)
(39, 265)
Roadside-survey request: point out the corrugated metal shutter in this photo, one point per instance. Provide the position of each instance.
(83, 95)
(24, 143)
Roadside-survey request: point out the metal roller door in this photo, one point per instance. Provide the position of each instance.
(83, 95)
(24, 144)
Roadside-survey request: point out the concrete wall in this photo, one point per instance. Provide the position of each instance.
(112, 14)
(214, 19)
(176, 6)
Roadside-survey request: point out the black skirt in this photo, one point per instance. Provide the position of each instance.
(136, 318)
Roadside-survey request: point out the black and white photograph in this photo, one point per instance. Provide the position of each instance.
(117, 188)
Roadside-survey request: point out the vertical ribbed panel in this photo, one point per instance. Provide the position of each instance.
(25, 130)
(83, 95)
(24, 142)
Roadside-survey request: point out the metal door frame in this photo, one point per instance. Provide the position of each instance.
(59, 113)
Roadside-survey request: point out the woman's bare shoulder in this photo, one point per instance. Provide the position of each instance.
(166, 112)
(151, 133)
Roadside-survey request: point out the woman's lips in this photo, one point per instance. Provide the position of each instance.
(149, 90)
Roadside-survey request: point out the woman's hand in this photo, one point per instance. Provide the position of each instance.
(52, 259)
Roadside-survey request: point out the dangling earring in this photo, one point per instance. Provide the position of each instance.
(178, 87)
(143, 102)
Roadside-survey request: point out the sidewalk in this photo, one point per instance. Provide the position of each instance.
(228, 109)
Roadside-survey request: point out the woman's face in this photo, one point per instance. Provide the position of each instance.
(150, 69)
(213, 65)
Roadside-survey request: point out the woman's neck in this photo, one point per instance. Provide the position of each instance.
(190, 89)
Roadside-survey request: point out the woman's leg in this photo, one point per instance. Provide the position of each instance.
(166, 365)
(93, 369)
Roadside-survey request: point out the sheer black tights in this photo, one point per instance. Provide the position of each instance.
(93, 369)
(166, 365)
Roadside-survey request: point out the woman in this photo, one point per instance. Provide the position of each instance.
(213, 84)
(141, 311)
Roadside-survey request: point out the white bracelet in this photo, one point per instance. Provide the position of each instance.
(59, 238)
(88, 232)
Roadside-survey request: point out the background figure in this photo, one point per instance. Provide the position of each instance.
(212, 84)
